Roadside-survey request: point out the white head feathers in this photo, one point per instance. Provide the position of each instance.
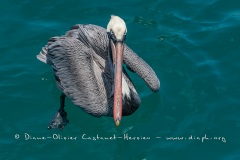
(118, 26)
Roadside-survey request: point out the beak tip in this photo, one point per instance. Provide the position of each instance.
(117, 122)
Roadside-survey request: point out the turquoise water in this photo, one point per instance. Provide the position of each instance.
(192, 45)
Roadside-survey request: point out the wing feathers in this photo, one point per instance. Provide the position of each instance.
(73, 65)
(138, 65)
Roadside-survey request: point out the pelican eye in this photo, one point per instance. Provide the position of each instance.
(111, 32)
(124, 36)
(112, 36)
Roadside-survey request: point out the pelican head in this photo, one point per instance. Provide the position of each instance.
(117, 30)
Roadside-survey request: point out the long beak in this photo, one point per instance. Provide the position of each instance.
(117, 51)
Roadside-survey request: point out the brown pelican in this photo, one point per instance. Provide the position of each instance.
(87, 64)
